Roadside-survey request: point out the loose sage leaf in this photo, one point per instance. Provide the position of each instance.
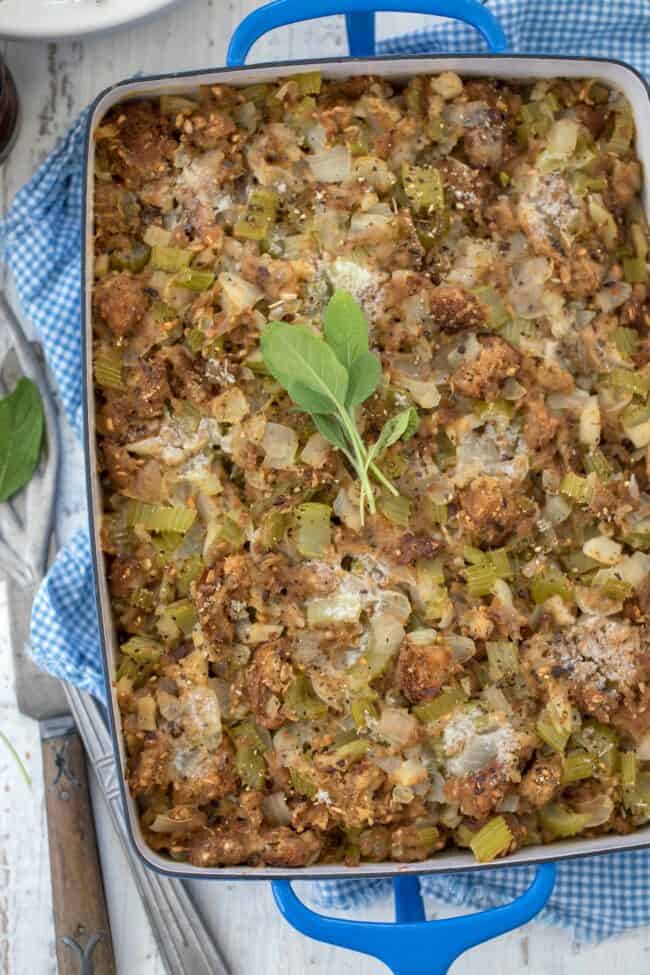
(363, 378)
(296, 357)
(412, 425)
(346, 329)
(21, 435)
(392, 431)
(330, 428)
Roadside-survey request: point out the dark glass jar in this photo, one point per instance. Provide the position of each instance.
(8, 111)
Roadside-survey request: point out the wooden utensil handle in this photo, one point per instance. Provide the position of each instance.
(83, 937)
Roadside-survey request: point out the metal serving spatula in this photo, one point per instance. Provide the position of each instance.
(83, 942)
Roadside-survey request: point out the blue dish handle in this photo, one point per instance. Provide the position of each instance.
(413, 946)
(360, 20)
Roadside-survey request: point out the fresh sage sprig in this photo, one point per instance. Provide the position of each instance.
(328, 377)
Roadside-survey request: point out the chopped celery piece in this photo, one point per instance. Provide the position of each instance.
(600, 741)
(551, 730)
(423, 188)
(634, 415)
(309, 82)
(577, 488)
(503, 659)
(143, 599)
(440, 706)
(226, 531)
(638, 540)
(160, 518)
(473, 555)
(480, 579)
(357, 138)
(301, 115)
(577, 563)
(161, 312)
(302, 784)
(142, 649)
(194, 280)
(464, 836)
(483, 574)
(596, 463)
(497, 315)
(169, 258)
(637, 800)
(195, 339)
(249, 754)
(183, 613)
(134, 259)
(439, 513)
(627, 341)
(494, 410)
(312, 529)
(492, 840)
(640, 240)
(427, 836)
(430, 578)
(536, 119)
(350, 752)
(108, 368)
(558, 821)
(301, 700)
(631, 382)
(629, 770)
(362, 708)
(257, 93)
(577, 765)
(635, 270)
(623, 133)
(414, 99)
(187, 572)
(547, 584)
(272, 529)
(582, 183)
(396, 509)
(260, 215)
(614, 587)
(517, 328)
(603, 220)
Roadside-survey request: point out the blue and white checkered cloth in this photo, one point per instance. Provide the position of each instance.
(41, 240)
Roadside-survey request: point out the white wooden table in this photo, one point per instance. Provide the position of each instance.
(55, 81)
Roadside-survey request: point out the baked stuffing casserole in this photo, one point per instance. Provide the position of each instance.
(372, 369)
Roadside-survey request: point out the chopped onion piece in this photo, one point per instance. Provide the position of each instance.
(316, 451)
(398, 727)
(331, 165)
(604, 550)
(280, 444)
(275, 809)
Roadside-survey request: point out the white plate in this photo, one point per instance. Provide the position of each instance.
(50, 19)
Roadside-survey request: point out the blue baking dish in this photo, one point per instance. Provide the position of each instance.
(411, 945)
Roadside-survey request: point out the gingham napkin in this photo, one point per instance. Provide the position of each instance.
(41, 239)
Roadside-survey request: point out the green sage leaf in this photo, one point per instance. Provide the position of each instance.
(412, 425)
(346, 330)
(393, 430)
(296, 357)
(21, 435)
(363, 378)
(330, 428)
